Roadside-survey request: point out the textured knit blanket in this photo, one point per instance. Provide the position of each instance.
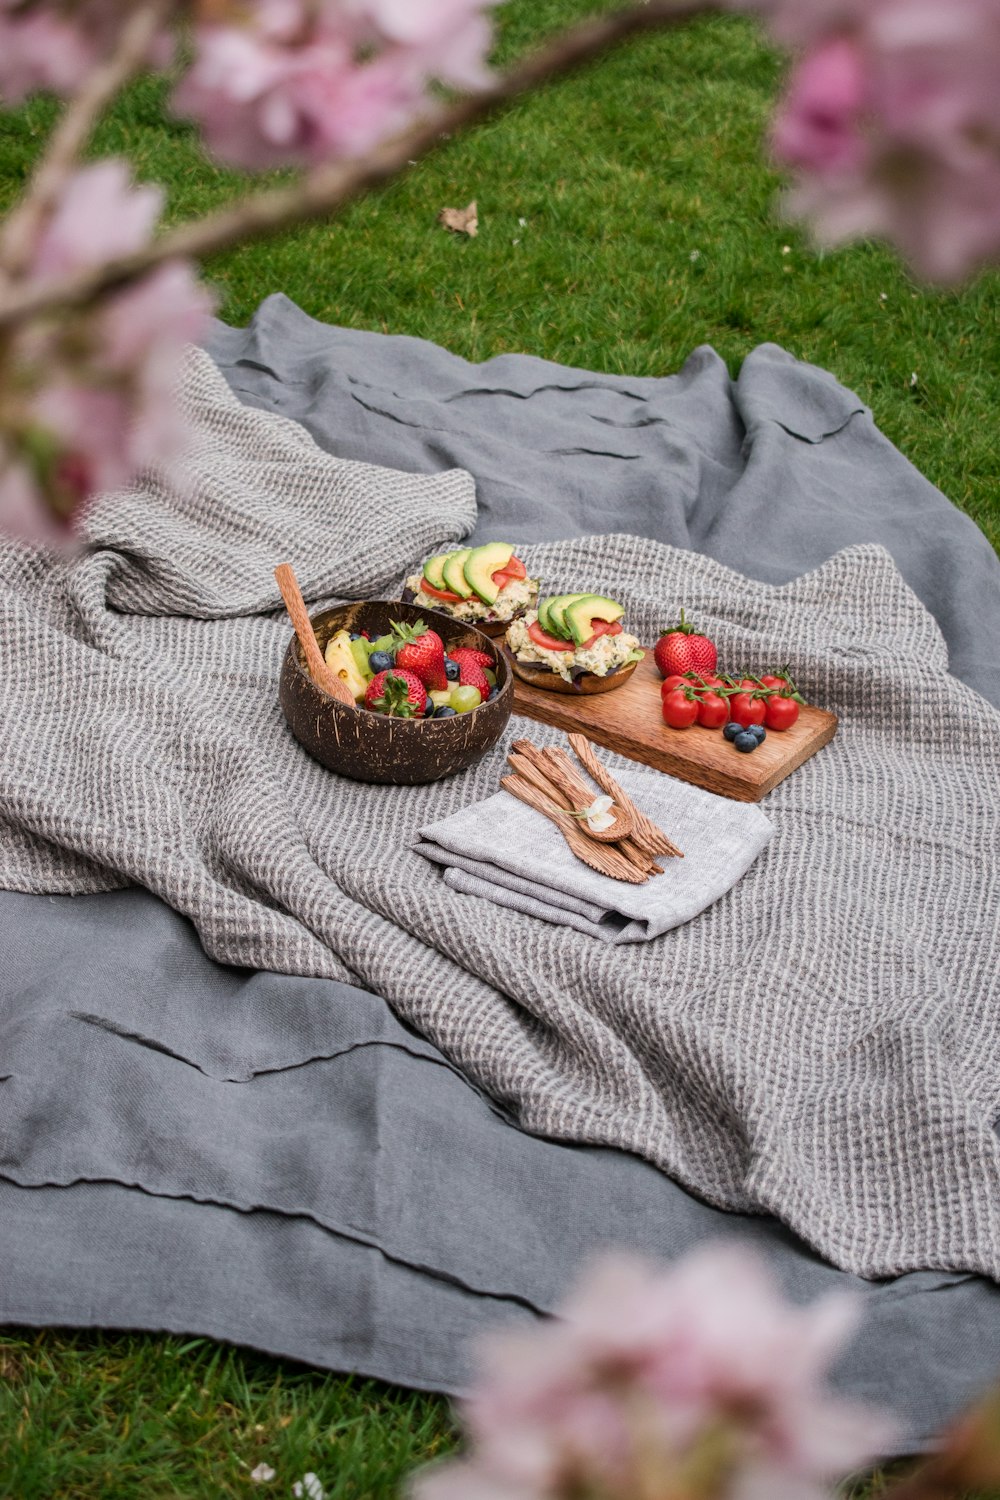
(822, 1043)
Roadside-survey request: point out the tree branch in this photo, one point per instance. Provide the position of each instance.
(324, 190)
(72, 134)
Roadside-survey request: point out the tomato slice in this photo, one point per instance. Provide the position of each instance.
(599, 628)
(449, 598)
(546, 641)
(510, 573)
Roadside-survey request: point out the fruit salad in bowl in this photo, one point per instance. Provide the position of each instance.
(573, 643)
(428, 698)
(484, 586)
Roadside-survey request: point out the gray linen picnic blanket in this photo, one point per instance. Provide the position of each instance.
(820, 1045)
(419, 1216)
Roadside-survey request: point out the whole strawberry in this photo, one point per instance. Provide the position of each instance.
(421, 651)
(397, 692)
(470, 669)
(471, 654)
(683, 650)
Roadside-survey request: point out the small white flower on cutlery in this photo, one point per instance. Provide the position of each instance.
(598, 815)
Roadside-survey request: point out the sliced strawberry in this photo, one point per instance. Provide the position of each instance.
(449, 598)
(546, 641)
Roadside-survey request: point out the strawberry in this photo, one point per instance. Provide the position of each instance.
(421, 651)
(470, 670)
(682, 650)
(397, 692)
(481, 658)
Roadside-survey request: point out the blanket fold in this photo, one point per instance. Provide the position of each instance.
(819, 1044)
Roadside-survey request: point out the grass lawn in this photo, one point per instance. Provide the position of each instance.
(625, 217)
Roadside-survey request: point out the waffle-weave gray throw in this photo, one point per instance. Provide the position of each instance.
(822, 1043)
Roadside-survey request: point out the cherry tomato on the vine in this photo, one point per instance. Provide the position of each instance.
(675, 680)
(679, 711)
(781, 713)
(713, 711)
(746, 710)
(770, 681)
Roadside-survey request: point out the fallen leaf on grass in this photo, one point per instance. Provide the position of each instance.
(461, 220)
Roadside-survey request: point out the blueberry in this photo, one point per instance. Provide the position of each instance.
(451, 669)
(494, 693)
(380, 661)
(746, 741)
(428, 707)
(759, 731)
(445, 713)
(732, 729)
(355, 635)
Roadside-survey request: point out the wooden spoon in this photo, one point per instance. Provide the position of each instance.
(601, 857)
(320, 673)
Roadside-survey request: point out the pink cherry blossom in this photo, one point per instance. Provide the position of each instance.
(87, 400)
(891, 125)
(285, 83)
(99, 216)
(53, 46)
(818, 127)
(645, 1372)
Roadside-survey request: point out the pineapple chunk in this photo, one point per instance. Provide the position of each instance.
(340, 660)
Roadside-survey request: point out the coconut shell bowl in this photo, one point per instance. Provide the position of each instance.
(375, 747)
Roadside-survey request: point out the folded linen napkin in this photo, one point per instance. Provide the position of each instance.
(507, 853)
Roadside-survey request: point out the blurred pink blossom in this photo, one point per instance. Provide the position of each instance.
(289, 83)
(817, 127)
(891, 124)
(99, 215)
(650, 1375)
(52, 44)
(86, 401)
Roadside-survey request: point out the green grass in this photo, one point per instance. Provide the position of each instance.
(650, 228)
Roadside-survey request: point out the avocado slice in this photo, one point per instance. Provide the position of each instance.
(434, 569)
(451, 572)
(555, 614)
(581, 612)
(482, 563)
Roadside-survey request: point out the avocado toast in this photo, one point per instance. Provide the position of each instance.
(486, 586)
(573, 643)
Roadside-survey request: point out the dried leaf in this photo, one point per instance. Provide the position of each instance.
(461, 220)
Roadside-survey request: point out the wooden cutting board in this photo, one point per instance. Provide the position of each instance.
(628, 720)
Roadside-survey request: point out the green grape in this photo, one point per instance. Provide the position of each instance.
(464, 699)
(384, 643)
(491, 677)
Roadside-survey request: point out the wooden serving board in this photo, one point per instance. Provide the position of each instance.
(628, 720)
